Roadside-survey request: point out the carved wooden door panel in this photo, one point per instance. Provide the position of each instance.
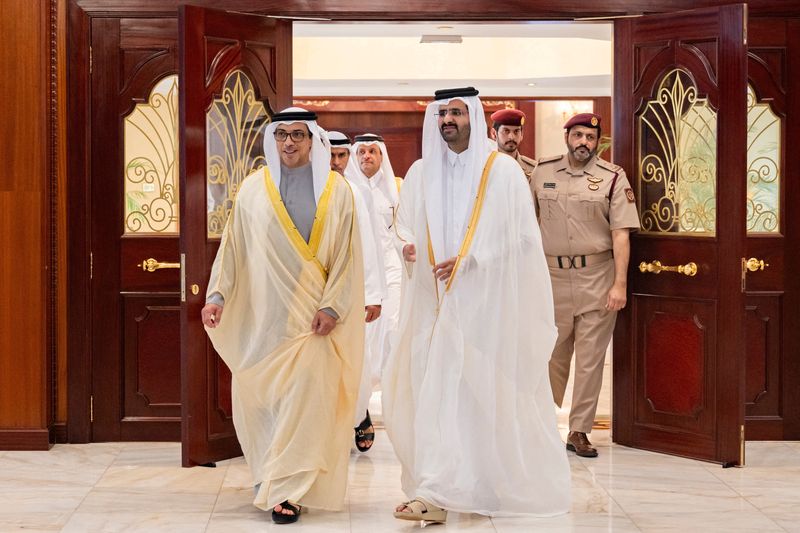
(680, 132)
(235, 72)
(133, 213)
(772, 391)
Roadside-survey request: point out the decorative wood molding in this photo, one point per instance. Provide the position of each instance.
(25, 439)
(52, 208)
(455, 10)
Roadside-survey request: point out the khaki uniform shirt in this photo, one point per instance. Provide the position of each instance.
(527, 165)
(575, 214)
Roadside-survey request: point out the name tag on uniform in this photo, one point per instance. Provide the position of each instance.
(549, 185)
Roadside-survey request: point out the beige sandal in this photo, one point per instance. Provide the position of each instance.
(422, 510)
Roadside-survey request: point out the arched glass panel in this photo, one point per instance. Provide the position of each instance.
(677, 159)
(763, 167)
(235, 126)
(151, 162)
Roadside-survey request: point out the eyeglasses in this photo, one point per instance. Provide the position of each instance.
(296, 135)
(442, 113)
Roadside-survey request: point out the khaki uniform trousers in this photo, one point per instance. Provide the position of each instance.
(585, 327)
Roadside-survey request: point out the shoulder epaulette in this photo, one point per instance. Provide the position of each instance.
(527, 159)
(602, 163)
(549, 159)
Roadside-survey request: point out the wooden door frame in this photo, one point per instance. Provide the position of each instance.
(79, 15)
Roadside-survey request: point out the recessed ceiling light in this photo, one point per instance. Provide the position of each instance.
(447, 39)
(444, 27)
(531, 84)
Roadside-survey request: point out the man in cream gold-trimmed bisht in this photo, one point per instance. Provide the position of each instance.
(466, 393)
(285, 311)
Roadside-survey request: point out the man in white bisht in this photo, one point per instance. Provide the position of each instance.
(288, 280)
(374, 283)
(370, 169)
(466, 393)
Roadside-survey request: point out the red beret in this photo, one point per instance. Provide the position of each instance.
(508, 117)
(590, 120)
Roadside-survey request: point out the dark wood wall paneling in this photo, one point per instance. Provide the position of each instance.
(25, 149)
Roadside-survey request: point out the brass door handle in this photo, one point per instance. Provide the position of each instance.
(689, 269)
(151, 265)
(754, 264)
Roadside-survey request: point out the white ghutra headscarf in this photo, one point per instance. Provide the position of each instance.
(386, 182)
(320, 149)
(434, 156)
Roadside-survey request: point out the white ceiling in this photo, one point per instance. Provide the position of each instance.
(511, 59)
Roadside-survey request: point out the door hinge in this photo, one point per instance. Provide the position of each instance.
(91, 265)
(91, 408)
(91, 61)
(741, 445)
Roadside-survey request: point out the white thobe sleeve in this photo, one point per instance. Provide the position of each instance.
(373, 286)
(404, 214)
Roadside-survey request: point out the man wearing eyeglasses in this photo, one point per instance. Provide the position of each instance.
(466, 394)
(285, 311)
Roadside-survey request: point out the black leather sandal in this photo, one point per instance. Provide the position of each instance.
(280, 518)
(362, 436)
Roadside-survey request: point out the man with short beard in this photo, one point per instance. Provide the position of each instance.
(506, 129)
(466, 394)
(586, 211)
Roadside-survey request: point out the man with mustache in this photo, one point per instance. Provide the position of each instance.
(466, 393)
(507, 131)
(586, 211)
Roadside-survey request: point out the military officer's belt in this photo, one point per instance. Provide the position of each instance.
(578, 261)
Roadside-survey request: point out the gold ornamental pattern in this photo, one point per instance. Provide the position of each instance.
(763, 170)
(677, 159)
(151, 162)
(235, 125)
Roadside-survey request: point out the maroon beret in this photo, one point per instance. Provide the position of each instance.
(508, 117)
(590, 120)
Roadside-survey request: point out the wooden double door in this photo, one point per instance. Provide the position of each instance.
(177, 111)
(680, 360)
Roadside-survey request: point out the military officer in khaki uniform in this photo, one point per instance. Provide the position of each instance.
(586, 210)
(507, 131)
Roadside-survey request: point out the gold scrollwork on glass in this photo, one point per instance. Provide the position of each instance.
(235, 126)
(677, 159)
(151, 162)
(763, 169)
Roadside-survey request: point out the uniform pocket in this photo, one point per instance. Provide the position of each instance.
(548, 204)
(592, 206)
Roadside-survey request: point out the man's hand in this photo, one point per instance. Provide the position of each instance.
(373, 312)
(617, 297)
(410, 253)
(211, 315)
(444, 270)
(323, 323)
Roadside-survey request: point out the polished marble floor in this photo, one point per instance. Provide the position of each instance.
(115, 487)
(126, 487)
